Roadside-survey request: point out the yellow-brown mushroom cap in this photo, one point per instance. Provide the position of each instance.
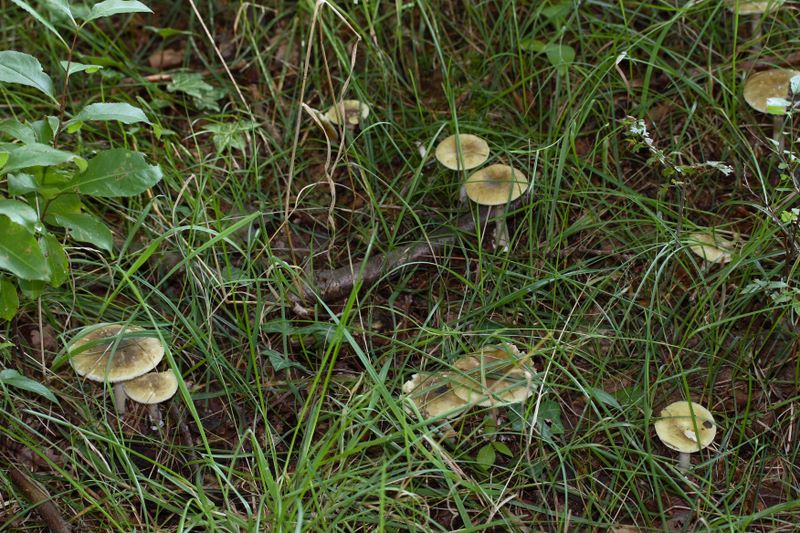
(686, 427)
(155, 387)
(347, 112)
(432, 395)
(711, 247)
(495, 185)
(474, 151)
(762, 86)
(114, 352)
(752, 8)
(495, 375)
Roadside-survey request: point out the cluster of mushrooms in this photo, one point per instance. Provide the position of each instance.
(495, 185)
(125, 356)
(493, 376)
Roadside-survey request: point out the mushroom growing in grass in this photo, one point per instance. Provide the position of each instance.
(114, 353)
(152, 389)
(770, 92)
(711, 247)
(685, 427)
(462, 152)
(433, 396)
(496, 375)
(496, 186)
(348, 113)
(756, 10)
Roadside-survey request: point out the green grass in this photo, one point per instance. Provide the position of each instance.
(296, 422)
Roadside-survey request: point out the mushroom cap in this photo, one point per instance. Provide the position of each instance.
(113, 352)
(431, 393)
(762, 86)
(711, 247)
(676, 428)
(474, 151)
(752, 8)
(496, 375)
(495, 185)
(347, 112)
(155, 387)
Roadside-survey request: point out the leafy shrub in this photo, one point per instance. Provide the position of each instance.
(45, 185)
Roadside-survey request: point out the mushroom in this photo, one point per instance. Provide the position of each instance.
(711, 247)
(496, 185)
(496, 375)
(114, 353)
(462, 152)
(685, 427)
(152, 389)
(432, 395)
(757, 9)
(767, 92)
(347, 113)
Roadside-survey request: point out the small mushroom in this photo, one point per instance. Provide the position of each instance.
(433, 396)
(114, 353)
(685, 427)
(496, 185)
(152, 389)
(348, 113)
(462, 152)
(752, 8)
(496, 375)
(768, 92)
(711, 247)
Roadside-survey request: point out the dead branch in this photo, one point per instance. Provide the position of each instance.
(333, 285)
(39, 498)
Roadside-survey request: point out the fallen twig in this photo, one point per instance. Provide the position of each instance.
(40, 499)
(333, 285)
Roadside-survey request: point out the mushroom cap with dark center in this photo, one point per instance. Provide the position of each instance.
(114, 352)
(347, 112)
(752, 8)
(432, 394)
(495, 185)
(686, 427)
(496, 375)
(155, 387)
(474, 151)
(762, 86)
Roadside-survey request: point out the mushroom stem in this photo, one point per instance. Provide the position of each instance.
(777, 131)
(119, 398)
(684, 462)
(155, 415)
(501, 235)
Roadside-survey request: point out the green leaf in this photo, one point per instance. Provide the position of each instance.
(230, 134)
(37, 155)
(19, 213)
(561, 56)
(40, 19)
(204, 95)
(549, 420)
(486, 456)
(20, 253)
(74, 68)
(117, 172)
(62, 7)
(9, 299)
(603, 397)
(532, 45)
(12, 378)
(125, 113)
(503, 448)
(65, 204)
(31, 289)
(16, 67)
(18, 130)
(85, 228)
(116, 7)
(21, 183)
(3, 158)
(56, 259)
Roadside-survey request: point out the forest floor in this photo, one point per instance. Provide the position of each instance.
(629, 121)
